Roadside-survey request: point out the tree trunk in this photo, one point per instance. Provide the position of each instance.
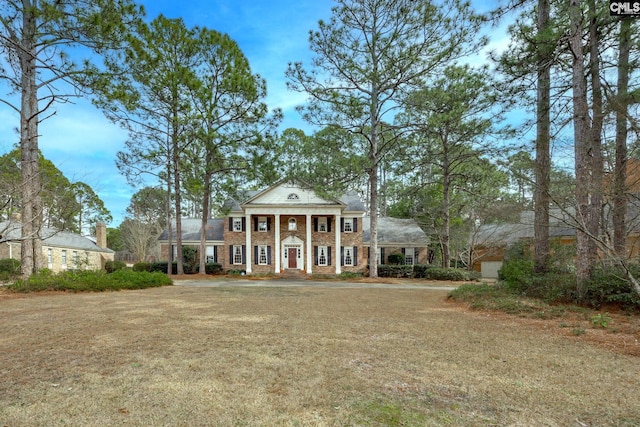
(620, 173)
(446, 221)
(446, 205)
(169, 224)
(374, 158)
(582, 145)
(543, 136)
(31, 244)
(205, 213)
(597, 159)
(178, 202)
(373, 216)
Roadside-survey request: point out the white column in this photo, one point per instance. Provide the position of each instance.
(276, 246)
(336, 253)
(249, 250)
(309, 247)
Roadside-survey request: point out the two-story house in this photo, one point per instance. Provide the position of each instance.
(288, 227)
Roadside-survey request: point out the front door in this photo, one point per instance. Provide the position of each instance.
(292, 256)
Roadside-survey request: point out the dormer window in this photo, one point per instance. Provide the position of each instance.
(293, 196)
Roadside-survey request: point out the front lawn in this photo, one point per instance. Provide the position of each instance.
(298, 356)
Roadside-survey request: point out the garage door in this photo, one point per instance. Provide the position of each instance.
(489, 269)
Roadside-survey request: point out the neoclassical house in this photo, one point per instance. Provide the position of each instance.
(290, 228)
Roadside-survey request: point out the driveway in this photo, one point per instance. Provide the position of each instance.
(283, 283)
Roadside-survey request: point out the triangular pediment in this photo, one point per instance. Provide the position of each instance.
(289, 194)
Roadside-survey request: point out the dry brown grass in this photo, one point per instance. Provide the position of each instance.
(179, 356)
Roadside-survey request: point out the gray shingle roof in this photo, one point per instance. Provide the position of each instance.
(52, 237)
(191, 230)
(352, 202)
(395, 231)
(560, 224)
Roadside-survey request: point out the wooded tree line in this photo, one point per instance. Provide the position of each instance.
(438, 137)
(402, 112)
(66, 205)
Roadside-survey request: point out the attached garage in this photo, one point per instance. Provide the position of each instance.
(489, 269)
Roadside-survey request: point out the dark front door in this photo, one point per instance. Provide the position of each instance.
(292, 256)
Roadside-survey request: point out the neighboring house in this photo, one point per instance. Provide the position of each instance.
(490, 242)
(61, 250)
(289, 228)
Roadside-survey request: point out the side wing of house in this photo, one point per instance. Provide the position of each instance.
(398, 236)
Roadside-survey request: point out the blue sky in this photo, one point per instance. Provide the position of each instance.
(83, 144)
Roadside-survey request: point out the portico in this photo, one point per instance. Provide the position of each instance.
(293, 234)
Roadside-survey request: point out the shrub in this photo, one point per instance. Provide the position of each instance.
(499, 298)
(9, 269)
(161, 267)
(111, 266)
(395, 259)
(420, 271)
(552, 287)
(9, 265)
(125, 279)
(189, 260)
(236, 272)
(609, 285)
(346, 275)
(80, 280)
(212, 268)
(390, 270)
(517, 269)
(453, 274)
(142, 266)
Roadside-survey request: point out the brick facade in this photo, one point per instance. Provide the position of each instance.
(267, 237)
(289, 228)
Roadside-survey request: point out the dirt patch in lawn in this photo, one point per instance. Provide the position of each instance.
(303, 356)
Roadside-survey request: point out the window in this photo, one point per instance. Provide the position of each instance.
(322, 224)
(262, 255)
(323, 257)
(293, 196)
(237, 224)
(348, 256)
(75, 258)
(348, 225)
(50, 257)
(64, 259)
(409, 256)
(292, 224)
(262, 223)
(211, 254)
(237, 255)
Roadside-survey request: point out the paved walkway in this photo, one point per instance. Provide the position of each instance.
(283, 283)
